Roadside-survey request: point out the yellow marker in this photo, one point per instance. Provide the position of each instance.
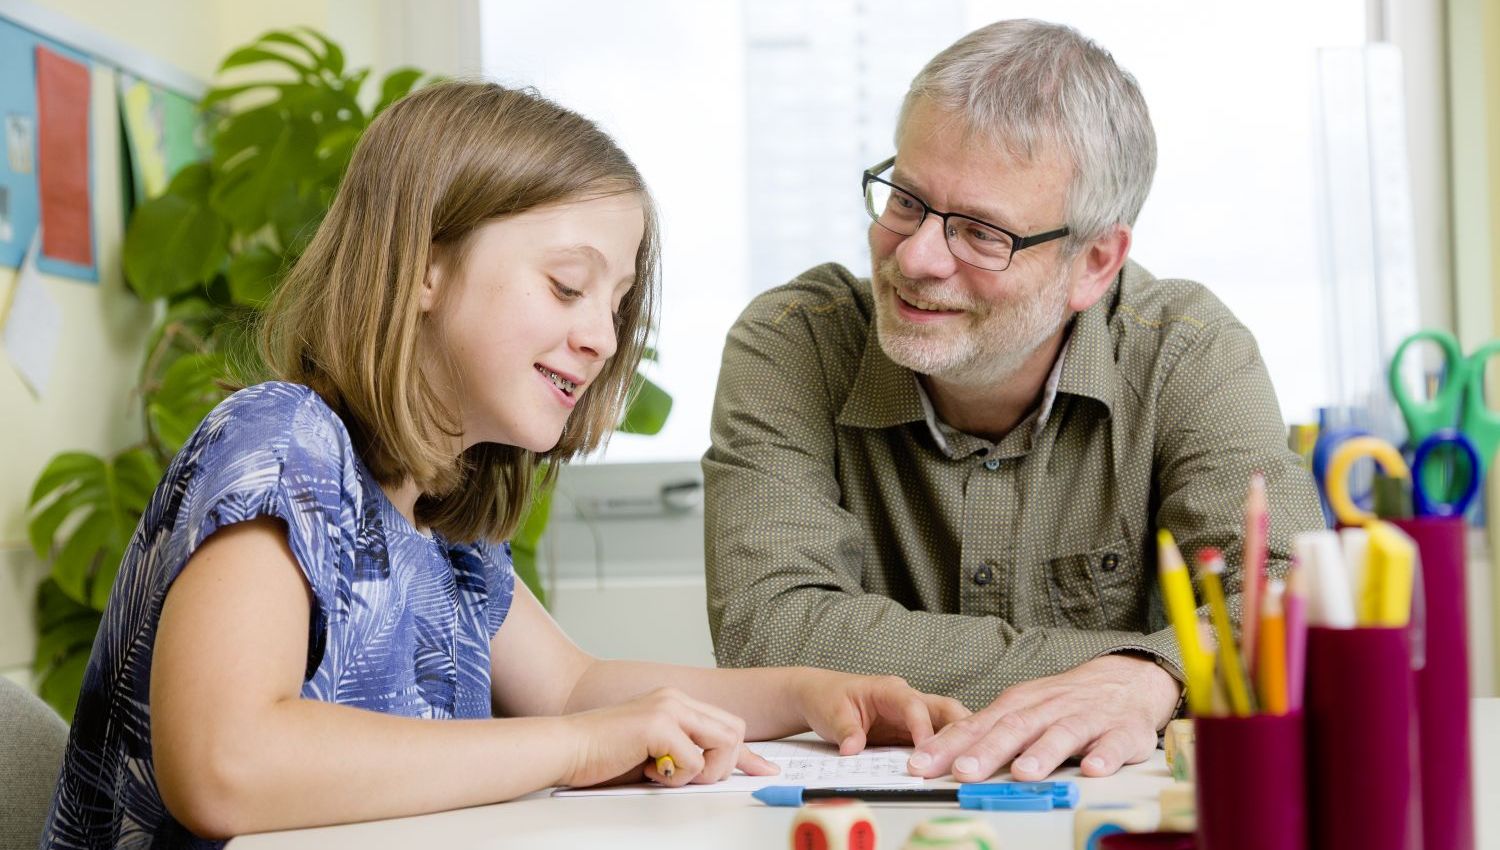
(1177, 593)
(665, 766)
(1390, 567)
(1270, 671)
(1211, 567)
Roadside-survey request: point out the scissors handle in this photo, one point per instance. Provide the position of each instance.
(1339, 466)
(1422, 501)
(1441, 411)
(1480, 422)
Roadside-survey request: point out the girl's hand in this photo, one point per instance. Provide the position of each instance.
(622, 743)
(855, 711)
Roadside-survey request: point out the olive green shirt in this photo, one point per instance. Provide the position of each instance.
(842, 533)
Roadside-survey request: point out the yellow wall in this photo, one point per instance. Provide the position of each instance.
(89, 405)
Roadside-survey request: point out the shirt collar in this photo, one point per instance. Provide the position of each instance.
(1091, 370)
(886, 394)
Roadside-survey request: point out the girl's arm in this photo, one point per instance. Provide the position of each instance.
(537, 670)
(237, 749)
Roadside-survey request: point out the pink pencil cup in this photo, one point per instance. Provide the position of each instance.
(1443, 686)
(1362, 767)
(1249, 776)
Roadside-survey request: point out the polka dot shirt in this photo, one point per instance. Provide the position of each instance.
(843, 530)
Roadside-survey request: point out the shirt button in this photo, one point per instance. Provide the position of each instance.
(1110, 562)
(984, 575)
(992, 464)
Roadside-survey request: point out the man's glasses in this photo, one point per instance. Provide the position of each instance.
(978, 243)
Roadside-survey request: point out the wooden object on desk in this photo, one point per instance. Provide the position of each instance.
(1092, 823)
(1177, 742)
(834, 825)
(953, 832)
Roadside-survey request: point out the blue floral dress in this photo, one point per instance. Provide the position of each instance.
(401, 622)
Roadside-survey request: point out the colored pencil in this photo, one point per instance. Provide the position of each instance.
(1177, 593)
(1295, 607)
(1210, 569)
(1253, 565)
(1270, 673)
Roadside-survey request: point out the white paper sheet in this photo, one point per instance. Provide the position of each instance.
(807, 763)
(33, 328)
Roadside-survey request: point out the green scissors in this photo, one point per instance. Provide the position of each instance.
(1459, 401)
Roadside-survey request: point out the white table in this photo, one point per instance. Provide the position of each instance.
(704, 821)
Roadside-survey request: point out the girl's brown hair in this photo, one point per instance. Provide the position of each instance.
(430, 170)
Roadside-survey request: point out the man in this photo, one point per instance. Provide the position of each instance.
(954, 472)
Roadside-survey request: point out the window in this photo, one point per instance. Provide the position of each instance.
(752, 122)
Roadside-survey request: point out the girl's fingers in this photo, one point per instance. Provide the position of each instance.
(754, 763)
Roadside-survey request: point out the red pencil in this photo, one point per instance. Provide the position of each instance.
(1295, 606)
(1253, 567)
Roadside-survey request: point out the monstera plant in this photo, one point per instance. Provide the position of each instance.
(211, 250)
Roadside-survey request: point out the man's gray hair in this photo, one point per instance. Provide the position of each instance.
(1026, 85)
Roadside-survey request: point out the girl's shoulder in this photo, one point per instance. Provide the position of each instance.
(273, 404)
(274, 416)
(265, 438)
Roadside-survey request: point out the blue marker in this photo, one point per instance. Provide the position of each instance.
(989, 796)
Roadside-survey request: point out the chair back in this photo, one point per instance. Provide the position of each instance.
(32, 741)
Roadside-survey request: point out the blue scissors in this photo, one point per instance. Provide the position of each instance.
(1425, 503)
(1459, 403)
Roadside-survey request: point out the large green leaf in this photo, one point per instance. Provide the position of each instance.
(295, 216)
(255, 54)
(523, 544)
(244, 192)
(253, 275)
(65, 637)
(648, 408)
(105, 500)
(189, 321)
(397, 85)
(290, 39)
(189, 390)
(245, 133)
(172, 244)
(219, 94)
(332, 59)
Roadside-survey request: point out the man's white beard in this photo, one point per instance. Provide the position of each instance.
(991, 344)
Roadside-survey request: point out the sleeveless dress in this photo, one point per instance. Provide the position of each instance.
(401, 622)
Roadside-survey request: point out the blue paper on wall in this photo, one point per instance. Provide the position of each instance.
(20, 156)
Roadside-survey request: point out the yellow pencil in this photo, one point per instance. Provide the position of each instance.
(1270, 672)
(665, 766)
(1177, 593)
(1210, 569)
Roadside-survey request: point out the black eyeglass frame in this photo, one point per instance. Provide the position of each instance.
(1017, 241)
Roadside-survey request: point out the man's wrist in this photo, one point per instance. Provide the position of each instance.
(1172, 688)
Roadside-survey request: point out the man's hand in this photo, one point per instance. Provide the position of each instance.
(1108, 709)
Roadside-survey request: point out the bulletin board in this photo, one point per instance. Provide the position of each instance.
(47, 180)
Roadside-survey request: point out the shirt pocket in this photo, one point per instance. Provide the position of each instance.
(1097, 589)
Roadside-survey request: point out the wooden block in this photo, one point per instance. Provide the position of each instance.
(834, 825)
(953, 832)
(1093, 823)
(1176, 732)
(1179, 808)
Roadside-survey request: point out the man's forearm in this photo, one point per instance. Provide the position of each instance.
(971, 658)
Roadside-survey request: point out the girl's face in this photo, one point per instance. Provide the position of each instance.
(529, 320)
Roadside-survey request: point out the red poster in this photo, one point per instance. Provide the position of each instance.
(62, 102)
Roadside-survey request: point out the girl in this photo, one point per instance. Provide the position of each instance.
(317, 579)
